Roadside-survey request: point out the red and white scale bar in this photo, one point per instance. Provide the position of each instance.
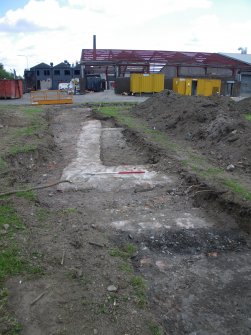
(117, 172)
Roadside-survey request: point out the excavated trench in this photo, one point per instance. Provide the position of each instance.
(194, 260)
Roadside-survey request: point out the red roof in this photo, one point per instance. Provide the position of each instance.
(163, 57)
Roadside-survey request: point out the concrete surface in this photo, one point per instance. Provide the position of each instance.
(86, 171)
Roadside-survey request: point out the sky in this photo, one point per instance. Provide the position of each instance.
(35, 31)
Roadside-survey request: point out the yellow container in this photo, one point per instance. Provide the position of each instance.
(146, 83)
(197, 86)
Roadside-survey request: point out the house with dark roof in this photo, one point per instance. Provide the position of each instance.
(46, 77)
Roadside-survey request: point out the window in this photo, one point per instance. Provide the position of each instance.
(77, 72)
(57, 72)
(67, 72)
(38, 72)
(46, 72)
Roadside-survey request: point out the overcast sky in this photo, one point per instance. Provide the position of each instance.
(57, 30)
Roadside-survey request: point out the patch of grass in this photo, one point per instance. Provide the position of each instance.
(10, 262)
(9, 216)
(28, 195)
(28, 131)
(212, 171)
(32, 110)
(33, 269)
(13, 326)
(69, 210)
(196, 158)
(42, 214)
(17, 327)
(237, 188)
(139, 287)
(248, 116)
(3, 165)
(18, 149)
(126, 267)
(155, 329)
(124, 252)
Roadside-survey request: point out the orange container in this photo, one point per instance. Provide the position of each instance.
(11, 88)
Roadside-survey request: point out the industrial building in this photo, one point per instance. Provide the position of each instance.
(101, 69)
(114, 65)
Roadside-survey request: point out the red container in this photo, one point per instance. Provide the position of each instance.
(11, 88)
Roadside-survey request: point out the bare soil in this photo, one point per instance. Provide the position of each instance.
(177, 266)
(214, 125)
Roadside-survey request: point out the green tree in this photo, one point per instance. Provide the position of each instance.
(5, 74)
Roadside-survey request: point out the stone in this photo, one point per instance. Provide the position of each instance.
(6, 226)
(112, 288)
(230, 167)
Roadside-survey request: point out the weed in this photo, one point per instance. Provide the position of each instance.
(18, 149)
(155, 329)
(125, 252)
(69, 210)
(3, 296)
(42, 214)
(248, 116)
(28, 131)
(28, 195)
(33, 269)
(103, 309)
(16, 328)
(3, 165)
(7, 320)
(211, 171)
(126, 267)
(237, 188)
(9, 217)
(139, 287)
(10, 262)
(32, 110)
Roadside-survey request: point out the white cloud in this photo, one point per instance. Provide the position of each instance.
(55, 30)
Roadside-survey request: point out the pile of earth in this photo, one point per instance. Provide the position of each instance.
(218, 127)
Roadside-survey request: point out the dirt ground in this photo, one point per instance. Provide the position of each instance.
(135, 253)
(216, 126)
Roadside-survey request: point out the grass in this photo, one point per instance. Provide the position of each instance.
(237, 188)
(28, 131)
(42, 214)
(140, 288)
(28, 195)
(10, 260)
(69, 210)
(21, 149)
(32, 110)
(3, 165)
(125, 252)
(155, 329)
(126, 267)
(13, 327)
(248, 116)
(9, 216)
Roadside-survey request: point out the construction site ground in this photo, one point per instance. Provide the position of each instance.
(133, 216)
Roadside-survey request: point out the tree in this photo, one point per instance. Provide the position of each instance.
(5, 74)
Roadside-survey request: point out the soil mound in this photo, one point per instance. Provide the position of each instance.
(217, 126)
